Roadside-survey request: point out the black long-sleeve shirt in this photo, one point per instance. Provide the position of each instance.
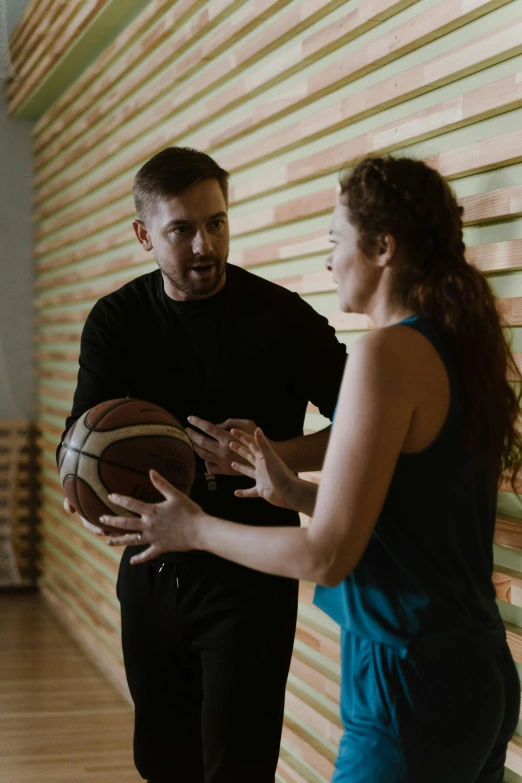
(253, 351)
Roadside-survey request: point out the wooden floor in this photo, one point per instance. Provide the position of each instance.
(61, 721)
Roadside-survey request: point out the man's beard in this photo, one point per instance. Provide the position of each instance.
(189, 284)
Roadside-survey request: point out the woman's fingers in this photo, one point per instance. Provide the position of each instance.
(126, 523)
(98, 531)
(129, 539)
(247, 493)
(246, 470)
(243, 452)
(243, 437)
(147, 554)
(262, 442)
(137, 506)
(162, 485)
(246, 425)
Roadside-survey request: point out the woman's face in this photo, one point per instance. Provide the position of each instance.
(357, 276)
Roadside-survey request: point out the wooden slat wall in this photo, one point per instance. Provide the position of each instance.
(46, 31)
(282, 93)
(56, 41)
(17, 504)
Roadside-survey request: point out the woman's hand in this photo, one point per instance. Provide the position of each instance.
(98, 531)
(169, 526)
(274, 481)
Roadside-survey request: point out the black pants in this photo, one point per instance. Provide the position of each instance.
(207, 648)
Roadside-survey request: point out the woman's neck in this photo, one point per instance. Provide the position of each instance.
(386, 313)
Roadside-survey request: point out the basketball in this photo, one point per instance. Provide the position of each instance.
(112, 447)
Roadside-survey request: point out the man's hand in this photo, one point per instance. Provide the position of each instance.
(98, 531)
(212, 443)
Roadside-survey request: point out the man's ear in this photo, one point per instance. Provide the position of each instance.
(142, 235)
(386, 249)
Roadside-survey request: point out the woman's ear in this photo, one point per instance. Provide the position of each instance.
(386, 249)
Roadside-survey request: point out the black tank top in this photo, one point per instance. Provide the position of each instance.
(424, 583)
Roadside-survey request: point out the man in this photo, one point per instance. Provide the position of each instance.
(207, 644)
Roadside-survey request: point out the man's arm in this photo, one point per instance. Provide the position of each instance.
(320, 363)
(304, 453)
(102, 373)
(320, 358)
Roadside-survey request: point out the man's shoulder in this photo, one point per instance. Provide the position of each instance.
(258, 295)
(141, 289)
(250, 283)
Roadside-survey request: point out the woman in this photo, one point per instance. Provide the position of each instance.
(400, 541)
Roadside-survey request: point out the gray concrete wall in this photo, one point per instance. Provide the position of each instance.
(16, 265)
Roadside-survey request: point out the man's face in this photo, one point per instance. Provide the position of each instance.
(190, 237)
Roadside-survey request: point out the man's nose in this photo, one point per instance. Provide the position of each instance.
(202, 246)
(329, 263)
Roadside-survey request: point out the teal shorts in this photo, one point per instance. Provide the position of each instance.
(429, 722)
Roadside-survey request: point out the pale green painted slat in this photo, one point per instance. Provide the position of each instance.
(93, 606)
(83, 617)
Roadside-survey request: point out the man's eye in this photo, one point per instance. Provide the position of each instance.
(217, 223)
(179, 230)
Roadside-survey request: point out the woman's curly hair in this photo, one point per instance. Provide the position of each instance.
(411, 201)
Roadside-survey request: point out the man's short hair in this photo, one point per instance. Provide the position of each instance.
(169, 173)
